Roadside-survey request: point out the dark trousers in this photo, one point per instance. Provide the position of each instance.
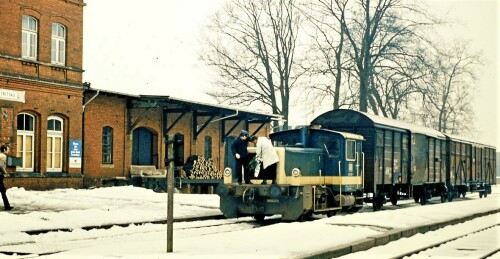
(269, 172)
(3, 190)
(242, 164)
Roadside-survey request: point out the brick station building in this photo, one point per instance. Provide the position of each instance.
(62, 133)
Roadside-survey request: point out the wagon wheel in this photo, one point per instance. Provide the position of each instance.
(394, 198)
(443, 197)
(450, 196)
(378, 202)
(423, 199)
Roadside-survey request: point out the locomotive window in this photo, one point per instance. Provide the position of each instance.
(327, 141)
(350, 151)
(286, 140)
(333, 147)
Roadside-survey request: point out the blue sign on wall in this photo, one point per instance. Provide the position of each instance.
(75, 153)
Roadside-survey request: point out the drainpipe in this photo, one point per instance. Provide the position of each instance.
(91, 99)
(83, 131)
(229, 116)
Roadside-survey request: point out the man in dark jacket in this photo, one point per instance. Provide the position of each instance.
(240, 152)
(3, 163)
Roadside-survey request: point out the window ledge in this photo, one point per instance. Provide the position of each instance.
(47, 174)
(31, 62)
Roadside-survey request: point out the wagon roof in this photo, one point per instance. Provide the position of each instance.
(345, 135)
(467, 140)
(344, 117)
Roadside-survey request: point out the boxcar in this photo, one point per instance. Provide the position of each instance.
(401, 159)
(471, 167)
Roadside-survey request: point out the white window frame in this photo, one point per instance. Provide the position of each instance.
(58, 51)
(347, 153)
(21, 148)
(52, 155)
(29, 37)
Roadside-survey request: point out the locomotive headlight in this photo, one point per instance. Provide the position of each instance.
(295, 172)
(227, 172)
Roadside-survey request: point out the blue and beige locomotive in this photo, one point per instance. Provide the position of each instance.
(319, 171)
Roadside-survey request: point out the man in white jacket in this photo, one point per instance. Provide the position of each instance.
(267, 155)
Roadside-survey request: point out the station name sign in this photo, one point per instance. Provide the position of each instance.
(11, 95)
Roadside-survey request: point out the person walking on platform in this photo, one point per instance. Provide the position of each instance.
(3, 164)
(240, 152)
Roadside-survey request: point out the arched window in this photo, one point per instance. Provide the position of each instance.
(29, 37)
(26, 141)
(107, 145)
(54, 144)
(58, 44)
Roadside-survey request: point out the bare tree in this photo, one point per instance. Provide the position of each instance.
(381, 35)
(327, 18)
(252, 47)
(448, 95)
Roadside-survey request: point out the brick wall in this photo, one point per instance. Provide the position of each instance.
(100, 112)
(67, 13)
(42, 101)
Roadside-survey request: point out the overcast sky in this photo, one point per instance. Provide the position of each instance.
(151, 47)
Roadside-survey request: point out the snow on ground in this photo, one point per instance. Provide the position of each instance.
(74, 209)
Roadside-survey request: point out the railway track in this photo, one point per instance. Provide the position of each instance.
(474, 238)
(40, 242)
(472, 242)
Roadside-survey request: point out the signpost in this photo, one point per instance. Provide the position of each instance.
(75, 153)
(169, 161)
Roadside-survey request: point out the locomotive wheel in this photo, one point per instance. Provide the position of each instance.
(355, 209)
(259, 218)
(305, 216)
